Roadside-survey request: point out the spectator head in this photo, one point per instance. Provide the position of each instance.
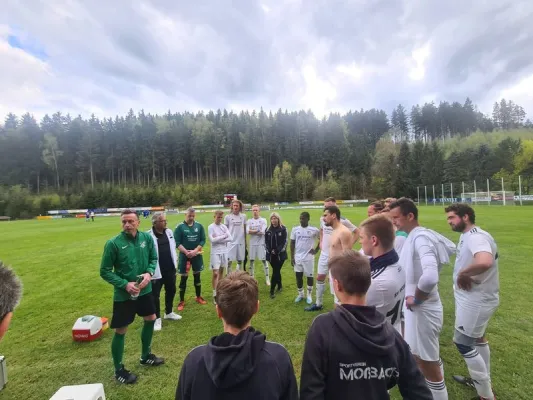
(237, 299)
(10, 294)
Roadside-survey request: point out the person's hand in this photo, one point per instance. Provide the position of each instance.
(146, 280)
(132, 288)
(410, 302)
(465, 282)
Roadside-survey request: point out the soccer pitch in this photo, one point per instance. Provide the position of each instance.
(58, 262)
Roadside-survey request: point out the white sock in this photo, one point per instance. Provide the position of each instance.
(214, 292)
(484, 351)
(438, 390)
(239, 265)
(301, 291)
(320, 287)
(252, 268)
(478, 372)
(441, 365)
(265, 267)
(309, 290)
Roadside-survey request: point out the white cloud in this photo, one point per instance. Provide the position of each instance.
(106, 57)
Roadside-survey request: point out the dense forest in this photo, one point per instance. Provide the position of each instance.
(184, 158)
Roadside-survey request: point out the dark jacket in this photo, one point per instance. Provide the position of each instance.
(354, 352)
(276, 239)
(231, 367)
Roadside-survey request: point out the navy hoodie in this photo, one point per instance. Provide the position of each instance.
(232, 367)
(353, 352)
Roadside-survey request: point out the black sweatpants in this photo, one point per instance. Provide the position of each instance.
(276, 274)
(169, 281)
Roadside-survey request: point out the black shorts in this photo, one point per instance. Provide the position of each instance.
(124, 311)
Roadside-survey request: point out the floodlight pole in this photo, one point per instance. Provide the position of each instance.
(475, 193)
(488, 192)
(426, 194)
(418, 194)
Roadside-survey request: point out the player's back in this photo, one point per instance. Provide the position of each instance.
(386, 292)
(488, 283)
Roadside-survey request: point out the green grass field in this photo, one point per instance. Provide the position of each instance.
(59, 261)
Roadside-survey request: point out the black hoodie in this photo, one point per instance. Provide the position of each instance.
(353, 352)
(231, 367)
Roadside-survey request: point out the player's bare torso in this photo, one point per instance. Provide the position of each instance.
(340, 240)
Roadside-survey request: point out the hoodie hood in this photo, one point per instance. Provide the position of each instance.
(231, 359)
(365, 328)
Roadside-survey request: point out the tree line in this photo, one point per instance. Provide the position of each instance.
(140, 158)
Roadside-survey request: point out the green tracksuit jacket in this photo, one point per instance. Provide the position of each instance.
(124, 258)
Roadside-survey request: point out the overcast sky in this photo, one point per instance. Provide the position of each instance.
(105, 57)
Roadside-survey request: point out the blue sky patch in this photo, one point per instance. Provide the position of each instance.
(29, 46)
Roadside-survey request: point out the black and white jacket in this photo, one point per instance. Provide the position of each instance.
(276, 243)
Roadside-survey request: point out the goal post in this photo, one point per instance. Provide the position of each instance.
(497, 197)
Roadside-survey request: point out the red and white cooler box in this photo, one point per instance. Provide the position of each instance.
(88, 328)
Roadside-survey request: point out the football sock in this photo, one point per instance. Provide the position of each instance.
(197, 284)
(438, 390)
(320, 287)
(252, 268)
(479, 374)
(117, 349)
(484, 351)
(183, 286)
(146, 338)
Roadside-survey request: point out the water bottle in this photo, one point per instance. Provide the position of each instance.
(140, 278)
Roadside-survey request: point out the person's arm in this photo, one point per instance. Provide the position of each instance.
(353, 229)
(293, 245)
(282, 244)
(201, 244)
(411, 382)
(268, 244)
(320, 235)
(182, 391)
(229, 236)
(346, 240)
(263, 228)
(291, 389)
(106, 266)
(314, 365)
(152, 263)
(248, 230)
(215, 239)
(430, 271)
(178, 235)
(483, 261)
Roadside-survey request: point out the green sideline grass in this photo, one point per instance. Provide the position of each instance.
(59, 260)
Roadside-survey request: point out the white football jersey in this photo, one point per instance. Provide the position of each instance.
(327, 231)
(387, 292)
(474, 241)
(259, 224)
(219, 236)
(304, 242)
(235, 224)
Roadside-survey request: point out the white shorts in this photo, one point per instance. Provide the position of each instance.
(472, 318)
(257, 252)
(422, 329)
(218, 261)
(236, 252)
(307, 267)
(322, 268)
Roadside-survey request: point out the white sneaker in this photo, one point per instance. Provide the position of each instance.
(298, 298)
(157, 325)
(173, 316)
(268, 281)
(309, 300)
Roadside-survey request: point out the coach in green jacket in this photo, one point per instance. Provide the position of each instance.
(128, 263)
(190, 239)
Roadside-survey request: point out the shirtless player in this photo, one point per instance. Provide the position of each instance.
(341, 239)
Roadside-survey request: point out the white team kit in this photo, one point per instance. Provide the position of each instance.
(474, 308)
(387, 293)
(422, 257)
(304, 242)
(219, 236)
(236, 224)
(257, 242)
